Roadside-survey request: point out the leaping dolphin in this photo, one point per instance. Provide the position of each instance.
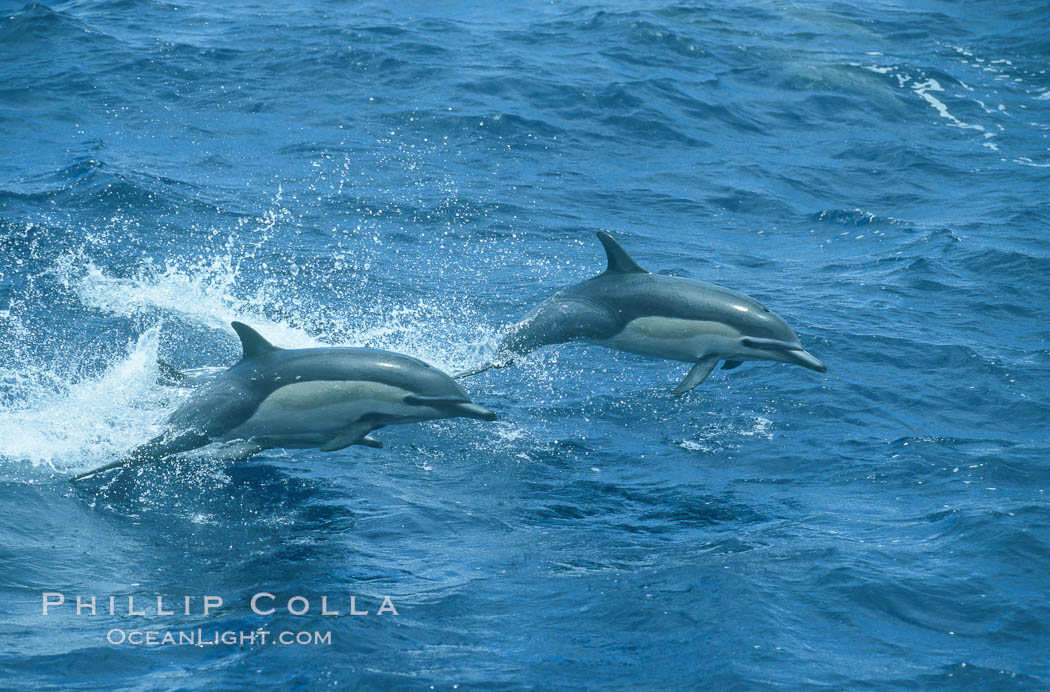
(311, 398)
(629, 309)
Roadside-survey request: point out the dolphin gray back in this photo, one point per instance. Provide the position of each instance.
(629, 297)
(570, 314)
(600, 307)
(264, 374)
(232, 397)
(561, 318)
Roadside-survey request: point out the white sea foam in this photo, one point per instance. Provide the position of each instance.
(203, 294)
(923, 89)
(71, 423)
(1025, 161)
(209, 293)
(715, 437)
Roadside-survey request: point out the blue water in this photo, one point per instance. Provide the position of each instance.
(415, 176)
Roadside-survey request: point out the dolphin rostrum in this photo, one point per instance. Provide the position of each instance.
(310, 398)
(629, 309)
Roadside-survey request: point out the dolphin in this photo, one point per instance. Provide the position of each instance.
(629, 309)
(310, 398)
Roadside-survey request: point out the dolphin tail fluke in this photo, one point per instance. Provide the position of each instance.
(154, 450)
(102, 469)
(474, 371)
(494, 365)
(696, 375)
(169, 375)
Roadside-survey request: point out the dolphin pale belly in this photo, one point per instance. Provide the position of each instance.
(629, 309)
(314, 398)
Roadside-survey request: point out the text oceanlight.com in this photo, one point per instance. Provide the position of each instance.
(198, 637)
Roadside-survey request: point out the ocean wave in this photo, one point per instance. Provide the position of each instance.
(91, 183)
(857, 218)
(36, 21)
(415, 178)
(65, 420)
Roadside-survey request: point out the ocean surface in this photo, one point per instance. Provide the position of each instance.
(415, 176)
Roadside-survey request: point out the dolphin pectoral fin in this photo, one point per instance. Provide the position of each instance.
(355, 434)
(697, 375)
(730, 364)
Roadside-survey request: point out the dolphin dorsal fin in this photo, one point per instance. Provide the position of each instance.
(619, 261)
(253, 343)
